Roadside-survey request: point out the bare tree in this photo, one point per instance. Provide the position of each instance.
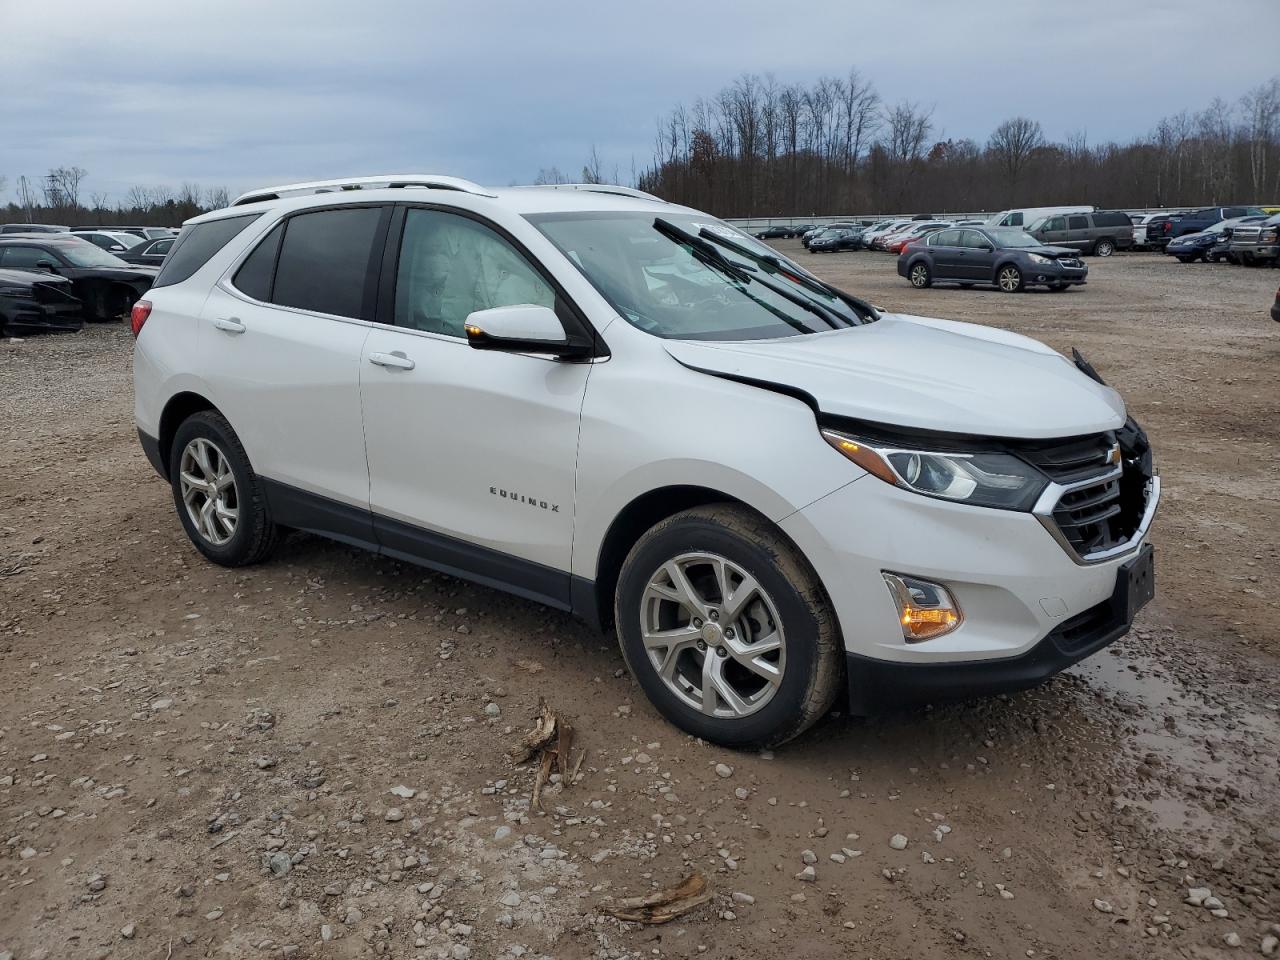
(63, 186)
(216, 198)
(1012, 144)
(591, 171)
(1261, 108)
(548, 175)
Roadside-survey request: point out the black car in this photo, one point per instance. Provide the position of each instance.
(1275, 308)
(836, 238)
(807, 237)
(151, 252)
(37, 301)
(105, 284)
(1005, 257)
(776, 232)
(1213, 243)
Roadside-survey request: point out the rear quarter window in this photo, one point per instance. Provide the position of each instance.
(197, 244)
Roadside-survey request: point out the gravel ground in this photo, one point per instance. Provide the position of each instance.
(309, 758)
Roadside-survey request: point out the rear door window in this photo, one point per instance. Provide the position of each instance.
(197, 244)
(1078, 223)
(974, 240)
(328, 262)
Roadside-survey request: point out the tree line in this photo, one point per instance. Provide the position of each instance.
(59, 197)
(764, 148)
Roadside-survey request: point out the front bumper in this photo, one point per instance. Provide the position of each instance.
(1264, 251)
(878, 685)
(1017, 586)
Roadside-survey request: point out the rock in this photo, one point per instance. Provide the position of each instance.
(1231, 939)
(724, 771)
(326, 932)
(898, 842)
(265, 763)
(808, 875)
(743, 898)
(27, 853)
(502, 833)
(404, 793)
(461, 952)
(1196, 896)
(214, 914)
(1270, 943)
(742, 793)
(164, 703)
(491, 709)
(511, 899)
(808, 856)
(128, 931)
(1102, 906)
(393, 815)
(278, 863)
(838, 858)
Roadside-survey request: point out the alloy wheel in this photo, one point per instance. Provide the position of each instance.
(209, 491)
(919, 275)
(1010, 279)
(713, 635)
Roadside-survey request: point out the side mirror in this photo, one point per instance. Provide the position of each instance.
(46, 265)
(523, 328)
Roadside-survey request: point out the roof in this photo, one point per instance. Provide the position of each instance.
(566, 197)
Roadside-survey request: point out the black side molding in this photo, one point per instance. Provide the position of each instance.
(151, 447)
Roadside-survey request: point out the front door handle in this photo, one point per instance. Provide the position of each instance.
(395, 359)
(229, 324)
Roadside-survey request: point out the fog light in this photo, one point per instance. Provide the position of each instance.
(925, 610)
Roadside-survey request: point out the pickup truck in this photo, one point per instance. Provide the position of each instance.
(1202, 219)
(1257, 242)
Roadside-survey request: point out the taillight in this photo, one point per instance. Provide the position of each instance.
(138, 316)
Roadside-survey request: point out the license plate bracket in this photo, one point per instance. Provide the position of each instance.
(1138, 581)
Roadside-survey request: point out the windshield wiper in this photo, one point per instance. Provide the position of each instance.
(710, 253)
(778, 264)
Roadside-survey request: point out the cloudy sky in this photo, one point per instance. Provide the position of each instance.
(241, 93)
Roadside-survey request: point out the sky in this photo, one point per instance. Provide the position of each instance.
(243, 94)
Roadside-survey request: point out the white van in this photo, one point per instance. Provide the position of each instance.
(1025, 216)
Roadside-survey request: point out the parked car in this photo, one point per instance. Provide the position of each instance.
(1159, 230)
(1005, 257)
(308, 356)
(836, 238)
(1140, 221)
(111, 241)
(31, 301)
(150, 252)
(1256, 243)
(807, 238)
(899, 240)
(1275, 308)
(106, 285)
(1212, 243)
(876, 232)
(775, 232)
(1197, 220)
(1025, 216)
(144, 233)
(32, 228)
(1100, 233)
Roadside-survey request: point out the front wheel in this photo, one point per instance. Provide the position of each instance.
(1009, 278)
(1104, 248)
(919, 276)
(726, 628)
(220, 500)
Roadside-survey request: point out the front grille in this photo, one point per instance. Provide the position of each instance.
(1246, 234)
(1106, 500)
(1070, 262)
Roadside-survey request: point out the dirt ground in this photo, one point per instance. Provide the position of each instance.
(199, 762)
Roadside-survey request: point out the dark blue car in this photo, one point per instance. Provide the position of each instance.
(1004, 257)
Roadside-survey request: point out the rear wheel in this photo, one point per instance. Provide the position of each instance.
(919, 275)
(220, 500)
(727, 629)
(1104, 248)
(1009, 278)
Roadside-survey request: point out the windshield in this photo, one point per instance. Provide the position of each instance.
(676, 277)
(87, 255)
(1013, 237)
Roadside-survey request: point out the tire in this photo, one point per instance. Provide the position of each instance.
(789, 604)
(1104, 248)
(1009, 279)
(919, 275)
(253, 535)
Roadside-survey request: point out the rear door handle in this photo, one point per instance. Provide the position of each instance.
(394, 359)
(229, 324)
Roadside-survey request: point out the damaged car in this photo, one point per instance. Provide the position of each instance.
(32, 302)
(106, 286)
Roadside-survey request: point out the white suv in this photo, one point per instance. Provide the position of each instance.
(635, 412)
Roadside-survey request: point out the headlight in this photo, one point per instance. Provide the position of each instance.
(981, 479)
(1036, 258)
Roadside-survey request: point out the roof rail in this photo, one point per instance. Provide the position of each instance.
(608, 188)
(384, 181)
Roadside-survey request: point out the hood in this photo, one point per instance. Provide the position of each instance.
(1192, 237)
(1048, 250)
(923, 373)
(132, 270)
